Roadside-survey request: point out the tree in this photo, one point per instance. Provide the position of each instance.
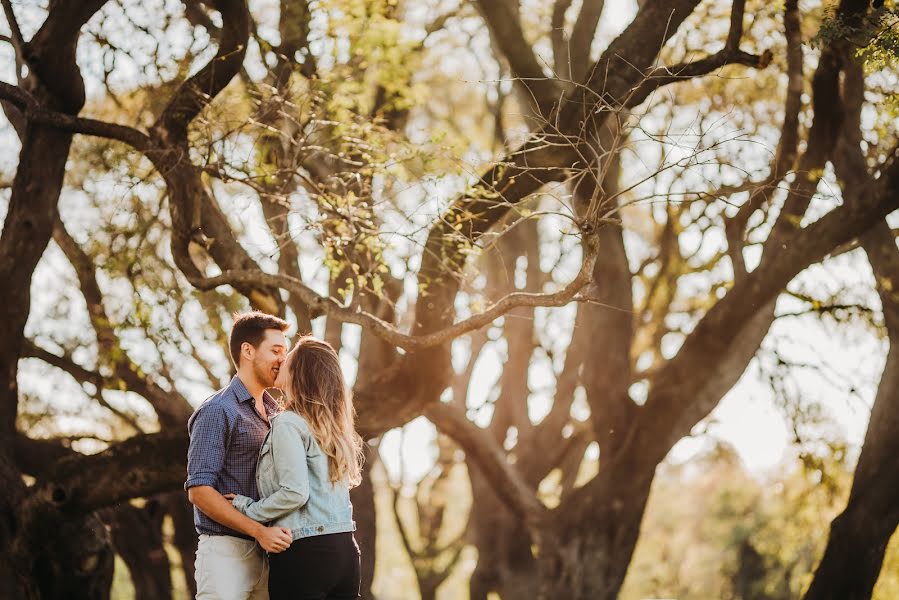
(327, 126)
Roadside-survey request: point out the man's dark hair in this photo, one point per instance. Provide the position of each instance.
(250, 327)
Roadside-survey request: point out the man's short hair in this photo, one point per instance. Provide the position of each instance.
(250, 327)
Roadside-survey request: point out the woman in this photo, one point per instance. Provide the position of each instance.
(307, 464)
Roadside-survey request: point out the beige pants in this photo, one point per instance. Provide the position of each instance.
(231, 568)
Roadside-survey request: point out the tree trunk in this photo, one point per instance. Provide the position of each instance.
(75, 564)
(505, 563)
(137, 538)
(54, 82)
(363, 498)
(584, 554)
(860, 534)
(182, 513)
(26, 233)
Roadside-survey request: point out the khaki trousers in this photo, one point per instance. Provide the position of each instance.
(230, 568)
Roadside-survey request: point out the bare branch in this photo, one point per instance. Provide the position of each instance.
(388, 332)
(663, 76)
(171, 406)
(19, 44)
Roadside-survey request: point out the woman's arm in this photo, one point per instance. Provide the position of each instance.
(291, 475)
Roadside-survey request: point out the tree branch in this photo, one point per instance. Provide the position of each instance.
(31, 350)
(38, 114)
(505, 25)
(663, 76)
(18, 43)
(199, 90)
(171, 406)
(545, 156)
(559, 39)
(675, 396)
(36, 457)
(140, 466)
(582, 34)
(787, 145)
(331, 307)
(489, 456)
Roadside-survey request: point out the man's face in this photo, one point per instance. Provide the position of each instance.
(269, 356)
(281, 379)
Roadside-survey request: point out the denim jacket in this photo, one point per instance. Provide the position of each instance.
(294, 483)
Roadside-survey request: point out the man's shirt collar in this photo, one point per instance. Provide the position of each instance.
(239, 390)
(242, 394)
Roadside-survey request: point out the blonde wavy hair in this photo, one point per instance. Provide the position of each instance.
(317, 391)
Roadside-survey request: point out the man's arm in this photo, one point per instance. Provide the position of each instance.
(291, 474)
(217, 508)
(205, 459)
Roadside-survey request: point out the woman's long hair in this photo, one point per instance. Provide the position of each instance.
(317, 391)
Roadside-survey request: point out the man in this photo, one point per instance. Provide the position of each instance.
(226, 432)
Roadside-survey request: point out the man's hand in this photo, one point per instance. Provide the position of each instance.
(220, 510)
(274, 539)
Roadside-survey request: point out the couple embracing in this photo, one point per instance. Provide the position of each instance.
(270, 480)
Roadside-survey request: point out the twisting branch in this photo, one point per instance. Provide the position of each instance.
(140, 466)
(730, 54)
(198, 91)
(330, 306)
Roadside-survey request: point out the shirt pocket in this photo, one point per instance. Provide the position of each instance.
(244, 439)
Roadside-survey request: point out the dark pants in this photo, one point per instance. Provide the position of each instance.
(321, 567)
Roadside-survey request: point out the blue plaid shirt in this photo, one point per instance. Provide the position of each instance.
(226, 433)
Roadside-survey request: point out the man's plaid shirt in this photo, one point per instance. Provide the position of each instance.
(226, 433)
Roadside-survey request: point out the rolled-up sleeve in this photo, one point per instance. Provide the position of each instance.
(206, 454)
(291, 473)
